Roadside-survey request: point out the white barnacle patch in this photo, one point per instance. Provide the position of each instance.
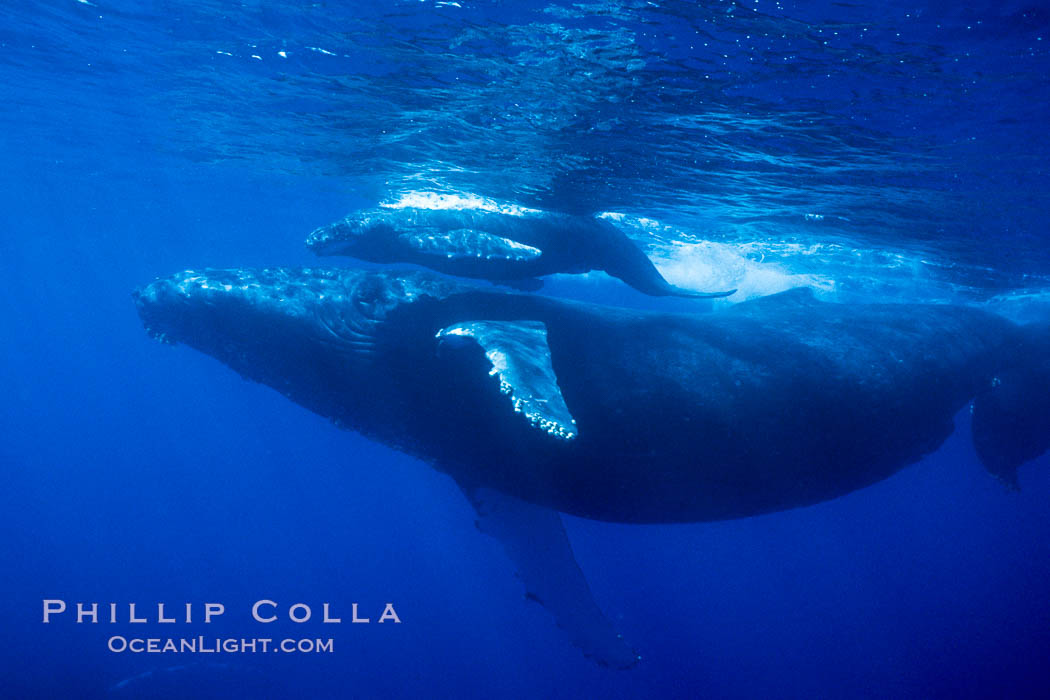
(520, 358)
(437, 200)
(499, 366)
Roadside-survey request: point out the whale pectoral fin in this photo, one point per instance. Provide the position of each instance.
(520, 356)
(467, 244)
(535, 540)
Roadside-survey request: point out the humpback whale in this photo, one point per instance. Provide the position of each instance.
(536, 406)
(510, 248)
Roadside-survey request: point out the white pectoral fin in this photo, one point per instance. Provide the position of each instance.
(520, 356)
(469, 244)
(535, 540)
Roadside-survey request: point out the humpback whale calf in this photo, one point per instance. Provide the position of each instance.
(536, 406)
(510, 248)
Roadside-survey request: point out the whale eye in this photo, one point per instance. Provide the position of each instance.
(367, 295)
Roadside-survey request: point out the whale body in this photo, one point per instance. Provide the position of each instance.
(513, 248)
(537, 406)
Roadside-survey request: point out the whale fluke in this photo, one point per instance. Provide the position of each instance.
(627, 262)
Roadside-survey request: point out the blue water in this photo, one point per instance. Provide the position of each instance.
(877, 151)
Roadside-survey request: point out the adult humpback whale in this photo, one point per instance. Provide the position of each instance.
(512, 248)
(535, 405)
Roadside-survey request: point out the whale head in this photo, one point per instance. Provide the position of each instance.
(360, 234)
(300, 331)
(340, 308)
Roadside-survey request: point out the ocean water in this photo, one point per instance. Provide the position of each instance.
(884, 151)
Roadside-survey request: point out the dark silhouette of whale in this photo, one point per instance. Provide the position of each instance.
(535, 405)
(510, 248)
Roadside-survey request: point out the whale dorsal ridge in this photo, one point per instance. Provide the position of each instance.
(467, 243)
(796, 296)
(520, 357)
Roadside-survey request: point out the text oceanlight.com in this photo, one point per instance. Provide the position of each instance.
(218, 645)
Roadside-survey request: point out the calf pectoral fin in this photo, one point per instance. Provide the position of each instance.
(535, 540)
(519, 355)
(468, 244)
